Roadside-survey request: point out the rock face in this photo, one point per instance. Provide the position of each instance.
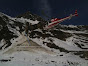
(29, 15)
(5, 32)
(10, 28)
(33, 17)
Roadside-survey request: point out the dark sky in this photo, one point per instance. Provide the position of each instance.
(51, 8)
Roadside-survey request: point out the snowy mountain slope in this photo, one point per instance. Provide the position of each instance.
(10, 28)
(41, 59)
(63, 45)
(62, 36)
(78, 40)
(21, 44)
(38, 57)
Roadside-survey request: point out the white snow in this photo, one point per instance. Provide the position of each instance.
(2, 42)
(72, 26)
(39, 30)
(41, 59)
(2, 14)
(72, 31)
(68, 44)
(23, 20)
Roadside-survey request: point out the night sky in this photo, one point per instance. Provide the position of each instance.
(51, 8)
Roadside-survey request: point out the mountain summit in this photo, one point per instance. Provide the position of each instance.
(29, 15)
